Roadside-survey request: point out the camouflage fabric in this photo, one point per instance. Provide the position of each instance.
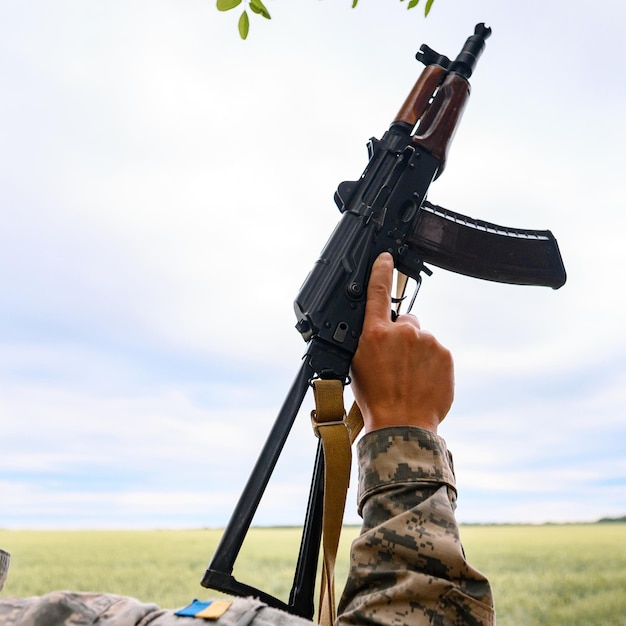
(67, 608)
(5, 559)
(407, 566)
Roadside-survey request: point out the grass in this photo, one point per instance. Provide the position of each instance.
(555, 574)
(542, 575)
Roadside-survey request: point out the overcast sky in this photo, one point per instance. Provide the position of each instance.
(165, 188)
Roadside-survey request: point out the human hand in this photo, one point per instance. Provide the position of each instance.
(401, 375)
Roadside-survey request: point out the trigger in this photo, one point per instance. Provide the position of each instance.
(401, 283)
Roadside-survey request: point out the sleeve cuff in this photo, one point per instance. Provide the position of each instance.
(402, 455)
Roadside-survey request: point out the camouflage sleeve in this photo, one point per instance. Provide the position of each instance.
(408, 567)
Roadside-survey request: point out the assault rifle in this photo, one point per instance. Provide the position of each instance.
(385, 210)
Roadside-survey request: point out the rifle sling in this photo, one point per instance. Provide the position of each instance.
(337, 433)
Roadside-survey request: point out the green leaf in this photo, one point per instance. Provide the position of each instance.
(227, 5)
(354, 3)
(258, 7)
(244, 25)
(412, 4)
(429, 3)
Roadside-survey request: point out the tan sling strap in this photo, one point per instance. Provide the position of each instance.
(337, 433)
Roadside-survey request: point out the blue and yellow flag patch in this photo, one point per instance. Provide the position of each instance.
(211, 609)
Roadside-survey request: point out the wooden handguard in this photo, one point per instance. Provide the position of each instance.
(417, 101)
(441, 119)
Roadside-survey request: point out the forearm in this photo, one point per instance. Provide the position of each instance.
(408, 565)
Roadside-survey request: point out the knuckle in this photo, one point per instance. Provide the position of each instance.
(375, 331)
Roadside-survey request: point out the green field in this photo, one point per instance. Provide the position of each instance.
(542, 575)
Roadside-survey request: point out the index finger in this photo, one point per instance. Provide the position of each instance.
(378, 306)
